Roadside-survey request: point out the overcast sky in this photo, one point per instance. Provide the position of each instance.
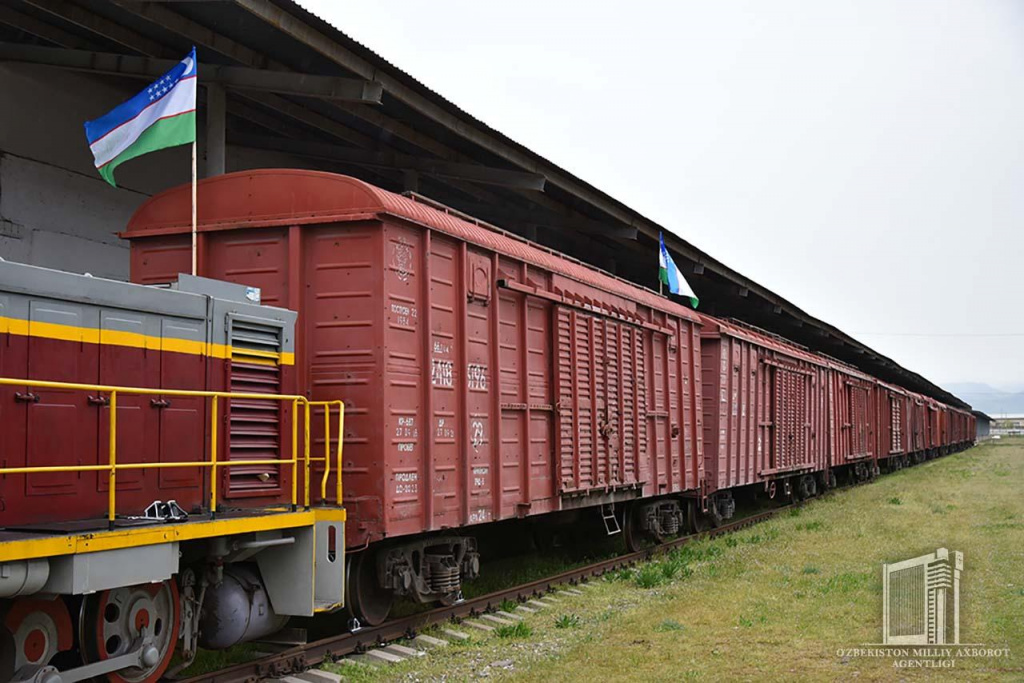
(863, 159)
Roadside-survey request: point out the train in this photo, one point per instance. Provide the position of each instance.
(352, 388)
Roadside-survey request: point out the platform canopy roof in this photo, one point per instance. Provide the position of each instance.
(294, 83)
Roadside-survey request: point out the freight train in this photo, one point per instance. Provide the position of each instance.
(360, 382)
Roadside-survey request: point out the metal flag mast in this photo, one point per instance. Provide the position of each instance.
(195, 142)
(194, 230)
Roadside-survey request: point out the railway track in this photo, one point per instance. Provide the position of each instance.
(302, 657)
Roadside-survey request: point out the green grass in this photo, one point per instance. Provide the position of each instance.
(520, 629)
(778, 600)
(567, 621)
(669, 625)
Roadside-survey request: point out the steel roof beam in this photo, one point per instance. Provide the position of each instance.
(108, 29)
(40, 29)
(150, 48)
(247, 56)
(361, 157)
(236, 77)
(542, 219)
(102, 26)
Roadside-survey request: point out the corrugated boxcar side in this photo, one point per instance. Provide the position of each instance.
(893, 411)
(766, 409)
(503, 401)
(934, 425)
(918, 423)
(853, 434)
(333, 270)
(675, 409)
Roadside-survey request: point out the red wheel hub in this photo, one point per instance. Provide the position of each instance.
(34, 646)
(141, 620)
(120, 620)
(41, 629)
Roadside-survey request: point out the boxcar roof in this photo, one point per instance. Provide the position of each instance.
(278, 197)
(714, 326)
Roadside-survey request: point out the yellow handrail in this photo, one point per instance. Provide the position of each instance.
(213, 452)
(112, 477)
(327, 446)
(341, 444)
(214, 464)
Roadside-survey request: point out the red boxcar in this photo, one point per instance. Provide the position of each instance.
(919, 424)
(766, 413)
(485, 377)
(854, 422)
(934, 425)
(893, 410)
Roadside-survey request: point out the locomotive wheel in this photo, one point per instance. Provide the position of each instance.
(38, 629)
(112, 623)
(366, 600)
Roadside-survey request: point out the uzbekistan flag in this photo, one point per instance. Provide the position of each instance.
(163, 115)
(669, 274)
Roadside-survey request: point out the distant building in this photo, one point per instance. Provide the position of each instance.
(1008, 425)
(983, 425)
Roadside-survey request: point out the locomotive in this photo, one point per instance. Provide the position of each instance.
(358, 384)
(153, 495)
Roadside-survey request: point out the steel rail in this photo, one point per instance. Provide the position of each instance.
(302, 657)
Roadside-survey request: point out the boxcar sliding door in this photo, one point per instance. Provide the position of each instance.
(788, 444)
(601, 400)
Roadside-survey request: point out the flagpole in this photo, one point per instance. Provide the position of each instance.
(194, 240)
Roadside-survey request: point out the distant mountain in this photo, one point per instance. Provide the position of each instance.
(988, 399)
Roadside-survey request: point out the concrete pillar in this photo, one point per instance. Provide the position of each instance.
(216, 119)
